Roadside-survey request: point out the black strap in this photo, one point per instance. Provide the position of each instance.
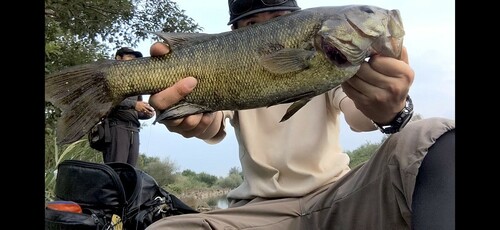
(107, 133)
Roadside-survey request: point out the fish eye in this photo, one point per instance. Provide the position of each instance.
(366, 9)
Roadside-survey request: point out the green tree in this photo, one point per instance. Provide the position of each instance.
(233, 180)
(185, 184)
(362, 154)
(207, 178)
(235, 170)
(189, 173)
(117, 22)
(145, 160)
(83, 31)
(162, 171)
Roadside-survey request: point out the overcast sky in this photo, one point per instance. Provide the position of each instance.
(430, 40)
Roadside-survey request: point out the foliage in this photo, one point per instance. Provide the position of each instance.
(235, 170)
(117, 22)
(232, 181)
(206, 178)
(162, 171)
(145, 160)
(79, 150)
(184, 184)
(83, 31)
(362, 154)
(189, 173)
(212, 202)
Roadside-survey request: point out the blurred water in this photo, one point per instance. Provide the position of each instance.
(222, 202)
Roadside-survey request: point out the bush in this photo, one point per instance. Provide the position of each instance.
(230, 182)
(362, 154)
(163, 172)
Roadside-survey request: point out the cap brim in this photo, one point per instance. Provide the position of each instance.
(274, 8)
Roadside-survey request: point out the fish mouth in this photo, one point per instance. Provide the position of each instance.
(332, 53)
(353, 36)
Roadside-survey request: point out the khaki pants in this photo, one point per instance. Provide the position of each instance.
(375, 195)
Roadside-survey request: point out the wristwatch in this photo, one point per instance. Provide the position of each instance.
(400, 121)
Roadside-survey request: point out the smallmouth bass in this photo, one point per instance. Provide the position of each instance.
(291, 58)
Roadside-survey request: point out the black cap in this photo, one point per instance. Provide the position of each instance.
(239, 9)
(126, 50)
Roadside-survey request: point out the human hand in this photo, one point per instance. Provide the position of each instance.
(197, 125)
(144, 108)
(380, 87)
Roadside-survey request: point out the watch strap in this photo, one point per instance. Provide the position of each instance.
(400, 120)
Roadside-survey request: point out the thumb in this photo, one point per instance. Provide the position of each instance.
(173, 94)
(159, 49)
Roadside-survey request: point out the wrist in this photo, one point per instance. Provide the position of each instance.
(399, 121)
(221, 133)
(214, 128)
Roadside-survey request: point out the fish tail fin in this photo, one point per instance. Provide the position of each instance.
(82, 94)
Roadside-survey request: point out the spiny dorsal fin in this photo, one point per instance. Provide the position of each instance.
(176, 39)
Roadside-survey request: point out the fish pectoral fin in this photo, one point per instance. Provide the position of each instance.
(181, 110)
(176, 39)
(294, 108)
(286, 60)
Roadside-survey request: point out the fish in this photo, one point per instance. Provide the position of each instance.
(288, 59)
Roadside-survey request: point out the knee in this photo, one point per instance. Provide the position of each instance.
(441, 154)
(429, 125)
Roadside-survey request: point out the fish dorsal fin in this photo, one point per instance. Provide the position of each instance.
(286, 60)
(294, 108)
(176, 39)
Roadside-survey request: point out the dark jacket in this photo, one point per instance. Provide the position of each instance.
(125, 112)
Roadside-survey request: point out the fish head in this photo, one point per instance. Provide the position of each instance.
(350, 35)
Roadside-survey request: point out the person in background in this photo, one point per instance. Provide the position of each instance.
(124, 122)
(296, 175)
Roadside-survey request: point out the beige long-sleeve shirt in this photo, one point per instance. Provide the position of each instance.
(291, 158)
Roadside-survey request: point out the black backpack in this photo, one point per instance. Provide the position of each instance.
(99, 136)
(110, 195)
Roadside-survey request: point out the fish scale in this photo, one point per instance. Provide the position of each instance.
(291, 58)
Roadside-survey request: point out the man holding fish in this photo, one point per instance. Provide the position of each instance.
(295, 173)
(282, 77)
